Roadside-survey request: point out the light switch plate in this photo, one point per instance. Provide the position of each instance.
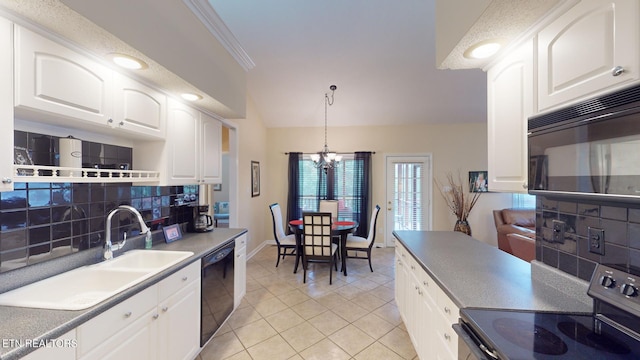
(558, 231)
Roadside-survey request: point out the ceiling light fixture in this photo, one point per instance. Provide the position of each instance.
(483, 49)
(191, 96)
(326, 159)
(128, 62)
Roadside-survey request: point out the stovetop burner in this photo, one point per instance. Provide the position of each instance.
(536, 335)
(529, 336)
(586, 336)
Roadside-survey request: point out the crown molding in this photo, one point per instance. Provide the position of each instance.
(212, 21)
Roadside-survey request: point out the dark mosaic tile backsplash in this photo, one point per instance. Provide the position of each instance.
(620, 222)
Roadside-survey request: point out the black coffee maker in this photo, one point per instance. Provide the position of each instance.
(201, 221)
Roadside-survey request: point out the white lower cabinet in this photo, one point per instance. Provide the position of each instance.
(428, 313)
(240, 270)
(161, 322)
(62, 348)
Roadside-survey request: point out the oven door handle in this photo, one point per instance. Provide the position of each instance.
(474, 345)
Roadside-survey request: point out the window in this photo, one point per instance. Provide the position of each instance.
(337, 184)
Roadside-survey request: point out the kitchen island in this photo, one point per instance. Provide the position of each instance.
(23, 329)
(440, 272)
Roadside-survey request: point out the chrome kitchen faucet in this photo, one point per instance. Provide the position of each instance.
(109, 248)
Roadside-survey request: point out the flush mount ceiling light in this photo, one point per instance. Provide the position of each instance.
(326, 159)
(191, 96)
(483, 49)
(127, 61)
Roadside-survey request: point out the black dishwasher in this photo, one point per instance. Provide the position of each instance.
(217, 290)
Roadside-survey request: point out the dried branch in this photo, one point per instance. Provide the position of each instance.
(454, 195)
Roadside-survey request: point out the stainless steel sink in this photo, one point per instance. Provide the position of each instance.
(87, 286)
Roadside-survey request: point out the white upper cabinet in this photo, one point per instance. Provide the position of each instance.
(138, 108)
(211, 150)
(191, 153)
(61, 86)
(6, 105)
(591, 48)
(183, 144)
(509, 104)
(57, 81)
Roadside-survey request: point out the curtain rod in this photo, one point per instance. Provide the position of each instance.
(340, 153)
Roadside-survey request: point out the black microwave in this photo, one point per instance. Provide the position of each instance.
(588, 150)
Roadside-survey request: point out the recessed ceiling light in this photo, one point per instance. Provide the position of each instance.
(191, 97)
(128, 62)
(483, 49)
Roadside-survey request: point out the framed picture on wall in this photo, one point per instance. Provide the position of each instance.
(255, 178)
(478, 181)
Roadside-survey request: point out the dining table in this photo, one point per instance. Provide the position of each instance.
(340, 228)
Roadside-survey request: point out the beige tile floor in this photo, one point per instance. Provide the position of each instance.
(283, 318)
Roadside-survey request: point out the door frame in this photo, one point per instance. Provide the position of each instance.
(389, 240)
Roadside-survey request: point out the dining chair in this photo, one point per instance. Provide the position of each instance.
(359, 245)
(285, 242)
(330, 206)
(316, 242)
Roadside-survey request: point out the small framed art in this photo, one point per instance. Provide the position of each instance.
(255, 178)
(478, 181)
(172, 233)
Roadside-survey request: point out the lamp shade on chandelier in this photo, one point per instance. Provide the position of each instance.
(326, 159)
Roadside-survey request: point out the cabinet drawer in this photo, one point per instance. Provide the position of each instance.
(447, 340)
(177, 281)
(100, 328)
(447, 308)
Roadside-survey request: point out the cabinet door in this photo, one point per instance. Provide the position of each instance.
(179, 324)
(64, 349)
(58, 82)
(139, 110)
(509, 104)
(211, 137)
(578, 51)
(183, 144)
(240, 270)
(6, 105)
(136, 341)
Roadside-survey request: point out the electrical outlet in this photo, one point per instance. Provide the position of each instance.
(558, 231)
(596, 240)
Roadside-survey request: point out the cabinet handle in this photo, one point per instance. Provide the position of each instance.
(525, 186)
(155, 316)
(447, 337)
(184, 278)
(425, 283)
(127, 314)
(121, 123)
(447, 310)
(617, 71)
(165, 308)
(110, 121)
(7, 180)
(413, 267)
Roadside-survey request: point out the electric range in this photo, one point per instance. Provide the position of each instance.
(611, 331)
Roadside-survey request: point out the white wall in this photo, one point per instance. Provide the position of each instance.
(252, 145)
(454, 147)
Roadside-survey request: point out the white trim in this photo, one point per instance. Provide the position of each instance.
(203, 10)
(258, 248)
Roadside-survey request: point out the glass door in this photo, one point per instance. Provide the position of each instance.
(408, 201)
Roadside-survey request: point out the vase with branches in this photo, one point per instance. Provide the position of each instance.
(459, 202)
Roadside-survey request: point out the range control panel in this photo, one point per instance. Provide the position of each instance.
(619, 287)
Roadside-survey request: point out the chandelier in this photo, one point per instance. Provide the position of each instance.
(326, 159)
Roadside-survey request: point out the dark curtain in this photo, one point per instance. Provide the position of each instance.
(362, 191)
(293, 208)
